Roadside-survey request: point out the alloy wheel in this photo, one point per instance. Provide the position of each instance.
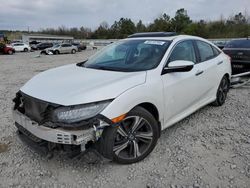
(133, 138)
(222, 91)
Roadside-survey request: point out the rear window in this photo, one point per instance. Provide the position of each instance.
(206, 51)
(66, 45)
(238, 44)
(216, 51)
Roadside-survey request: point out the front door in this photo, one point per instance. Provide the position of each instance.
(182, 90)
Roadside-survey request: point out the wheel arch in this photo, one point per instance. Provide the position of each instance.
(229, 79)
(151, 108)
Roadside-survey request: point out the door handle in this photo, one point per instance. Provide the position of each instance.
(220, 63)
(198, 73)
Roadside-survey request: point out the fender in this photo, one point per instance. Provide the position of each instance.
(135, 96)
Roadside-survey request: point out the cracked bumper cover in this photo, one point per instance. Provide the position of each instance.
(55, 135)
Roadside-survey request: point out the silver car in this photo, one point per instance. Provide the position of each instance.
(60, 49)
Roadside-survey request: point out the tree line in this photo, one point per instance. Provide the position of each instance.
(231, 27)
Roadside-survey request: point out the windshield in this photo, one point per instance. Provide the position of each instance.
(129, 55)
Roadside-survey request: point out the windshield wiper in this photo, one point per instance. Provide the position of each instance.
(110, 68)
(81, 64)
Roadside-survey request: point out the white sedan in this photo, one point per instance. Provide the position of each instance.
(21, 47)
(119, 100)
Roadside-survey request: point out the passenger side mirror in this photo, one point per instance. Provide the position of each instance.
(178, 66)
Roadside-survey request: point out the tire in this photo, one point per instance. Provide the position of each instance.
(25, 49)
(57, 52)
(73, 51)
(132, 140)
(222, 91)
(10, 52)
(43, 53)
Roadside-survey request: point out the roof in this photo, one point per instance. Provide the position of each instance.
(153, 34)
(165, 38)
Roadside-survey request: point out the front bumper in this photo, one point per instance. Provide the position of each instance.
(54, 135)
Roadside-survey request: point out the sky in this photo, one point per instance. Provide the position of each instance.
(37, 14)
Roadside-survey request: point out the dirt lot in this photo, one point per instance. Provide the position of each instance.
(211, 148)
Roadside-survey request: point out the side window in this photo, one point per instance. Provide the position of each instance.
(183, 51)
(66, 45)
(216, 51)
(205, 50)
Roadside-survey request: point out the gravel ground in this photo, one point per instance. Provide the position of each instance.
(211, 148)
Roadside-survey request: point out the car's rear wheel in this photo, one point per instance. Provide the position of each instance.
(132, 140)
(222, 91)
(25, 49)
(73, 51)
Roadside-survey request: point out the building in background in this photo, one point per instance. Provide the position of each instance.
(27, 38)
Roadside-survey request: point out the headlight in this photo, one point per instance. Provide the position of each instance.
(77, 113)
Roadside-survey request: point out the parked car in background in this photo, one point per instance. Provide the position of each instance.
(6, 49)
(79, 46)
(220, 43)
(239, 51)
(42, 46)
(34, 42)
(119, 100)
(60, 49)
(21, 47)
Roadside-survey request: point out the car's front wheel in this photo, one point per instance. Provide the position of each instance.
(10, 52)
(73, 51)
(56, 52)
(132, 140)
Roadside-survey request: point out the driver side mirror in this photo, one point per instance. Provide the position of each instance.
(178, 66)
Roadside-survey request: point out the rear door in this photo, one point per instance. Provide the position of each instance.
(209, 63)
(64, 48)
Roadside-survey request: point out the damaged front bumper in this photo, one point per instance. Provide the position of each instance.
(57, 135)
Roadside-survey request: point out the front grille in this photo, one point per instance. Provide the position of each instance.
(33, 108)
(37, 110)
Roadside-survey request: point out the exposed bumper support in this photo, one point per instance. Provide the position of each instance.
(57, 135)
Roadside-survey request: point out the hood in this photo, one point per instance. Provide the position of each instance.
(72, 85)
